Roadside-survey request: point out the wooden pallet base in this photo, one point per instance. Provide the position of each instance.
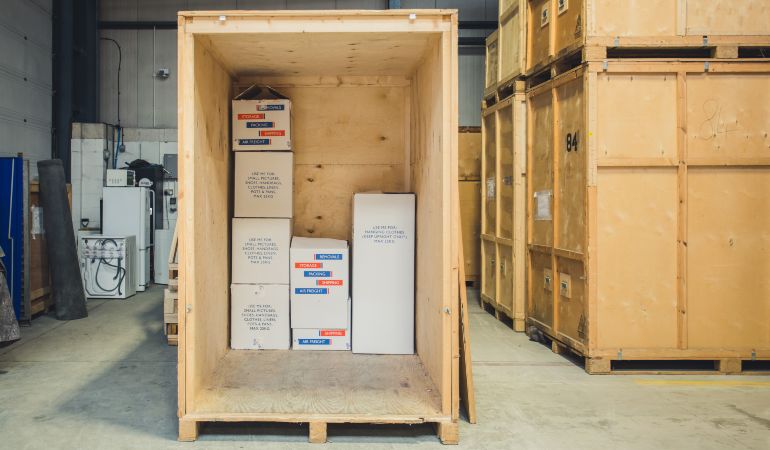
(447, 432)
(172, 333)
(652, 366)
(502, 315)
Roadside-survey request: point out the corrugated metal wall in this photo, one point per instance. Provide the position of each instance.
(150, 102)
(25, 79)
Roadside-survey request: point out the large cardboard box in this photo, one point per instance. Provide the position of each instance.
(263, 184)
(261, 120)
(383, 273)
(322, 338)
(319, 283)
(260, 251)
(259, 316)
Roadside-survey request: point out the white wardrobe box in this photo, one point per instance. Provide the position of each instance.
(383, 273)
(322, 338)
(260, 251)
(259, 316)
(261, 120)
(263, 184)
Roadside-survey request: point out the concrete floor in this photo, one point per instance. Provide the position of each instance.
(109, 381)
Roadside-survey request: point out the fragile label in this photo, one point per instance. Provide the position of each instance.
(311, 291)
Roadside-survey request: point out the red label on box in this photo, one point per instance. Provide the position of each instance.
(329, 283)
(272, 133)
(251, 116)
(333, 332)
(308, 265)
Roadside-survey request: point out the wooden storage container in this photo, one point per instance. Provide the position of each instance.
(512, 40)
(558, 27)
(469, 153)
(649, 211)
(491, 66)
(503, 210)
(470, 208)
(374, 98)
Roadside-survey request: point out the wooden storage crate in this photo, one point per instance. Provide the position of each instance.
(557, 28)
(470, 209)
(469, 153)
(491, 65)
(374, 98)
(512, 40)
(649, 211)
(503, 210)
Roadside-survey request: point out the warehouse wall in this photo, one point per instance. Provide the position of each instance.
(26, 88)
(150, 102)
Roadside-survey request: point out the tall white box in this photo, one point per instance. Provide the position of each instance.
(260, 251)
(263, 184)
(383, 273)
(322, 338)
(261, 120)
(319, 283)
(259, 316)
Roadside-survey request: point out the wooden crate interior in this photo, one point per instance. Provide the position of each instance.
(372, 111)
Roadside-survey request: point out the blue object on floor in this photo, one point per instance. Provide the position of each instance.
(12, 226)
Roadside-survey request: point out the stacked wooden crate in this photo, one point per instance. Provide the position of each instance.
(469, 173)
(171, 295)
(649, 180)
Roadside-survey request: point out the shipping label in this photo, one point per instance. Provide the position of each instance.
(311, 291)
(333, 332)
(329, 282)
(272, 132)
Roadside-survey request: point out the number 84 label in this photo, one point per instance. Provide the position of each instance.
(573, 139)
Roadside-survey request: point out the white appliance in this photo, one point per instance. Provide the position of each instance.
(162, 248)
(108, 266)
(127, 211)
(120, 177)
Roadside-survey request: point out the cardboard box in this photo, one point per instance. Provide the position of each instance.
(383, 273)
(259, 316)
(319, 283)
(261, 120)
(322, 338)
(263, 184)
(260, 251)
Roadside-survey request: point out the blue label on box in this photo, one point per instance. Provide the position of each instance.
(254, 141)
(322, 256)
(311, 291)
(315, 341)
(260, 124)
(269, 107)
(317, 273)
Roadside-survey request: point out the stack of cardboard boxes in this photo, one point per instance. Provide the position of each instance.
(297, 291)
(261, 229)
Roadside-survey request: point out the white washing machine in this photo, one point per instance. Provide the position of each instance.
(108, 265)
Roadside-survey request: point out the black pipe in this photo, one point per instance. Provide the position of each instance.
(471, 42)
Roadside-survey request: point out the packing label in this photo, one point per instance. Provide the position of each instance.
(384, 234)
(263, 184)
(260, 250)
(318, 273)
(259, 317)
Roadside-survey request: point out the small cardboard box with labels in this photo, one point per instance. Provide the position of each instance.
(319, 287)
(261, 120)
(322, 338)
